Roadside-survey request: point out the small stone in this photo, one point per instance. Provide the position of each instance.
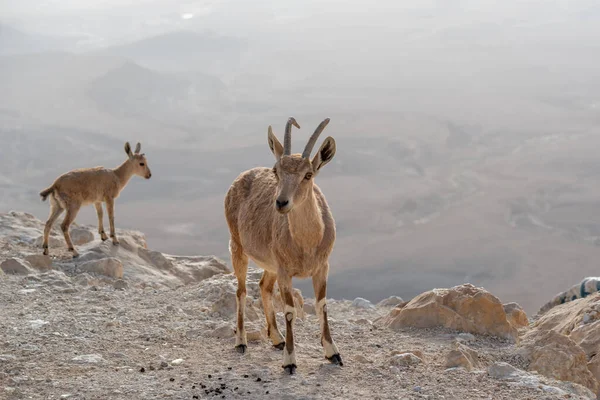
(15, 267)
(179, 361)
(120, 284)
(362, 359)
(81, 236)
(502, 370)
(38, 323)
(88, 359)
(222, 332)
(405, 360)
(359, 302)
(465, 337)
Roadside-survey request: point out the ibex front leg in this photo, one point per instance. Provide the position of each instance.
(240, 269)
(320, 286)
(100, 221)
(285, 287)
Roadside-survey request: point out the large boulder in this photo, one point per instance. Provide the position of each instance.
(580, 321)
(556, 356)
(464, 308)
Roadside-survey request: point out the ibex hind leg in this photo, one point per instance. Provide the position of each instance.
(55, 211)
(240, 269)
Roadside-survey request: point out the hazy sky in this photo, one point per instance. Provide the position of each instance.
(465, 128)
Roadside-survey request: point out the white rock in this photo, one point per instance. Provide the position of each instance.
(179, 361)
(37, 323)
(392, 301)
(110, 267)
(88, 359)
(502, 370)
(465, 337)
(359, 302)
(15, 267)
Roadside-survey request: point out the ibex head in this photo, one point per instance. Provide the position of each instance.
(138, 161)
(295, 172)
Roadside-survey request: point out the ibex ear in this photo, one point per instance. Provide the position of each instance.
(128, 150)
(325, 154)
(138, 148)
(274, 144)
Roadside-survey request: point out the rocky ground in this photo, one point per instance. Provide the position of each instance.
(162, 328)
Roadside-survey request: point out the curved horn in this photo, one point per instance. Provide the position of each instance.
(287, 139)
(313, 138)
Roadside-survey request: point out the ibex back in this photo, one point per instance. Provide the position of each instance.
(279, 218)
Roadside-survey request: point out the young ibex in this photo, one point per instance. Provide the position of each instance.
(80, 187)
(279, 218)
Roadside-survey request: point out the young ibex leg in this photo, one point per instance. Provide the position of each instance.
(69, 218)
(240, 269)
(285, 287)
(320, 286)
(100, 221)
(110, 207)
(55, 211)
(266, 290)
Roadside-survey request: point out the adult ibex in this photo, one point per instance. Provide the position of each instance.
(80, 187)
(279, 218)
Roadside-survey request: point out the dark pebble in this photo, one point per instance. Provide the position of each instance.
(235, 388)
(151, 368)
(267, 392)
(172, 379)
(142, 370)
(210, 377)
(220, 378)
(258, 379)
(245, 376)
(193, 387)
(195, 397)
(229, 368)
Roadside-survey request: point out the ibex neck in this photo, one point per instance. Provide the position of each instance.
(306, 224)
(124, 172)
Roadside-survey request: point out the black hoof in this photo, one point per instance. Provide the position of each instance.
(241, 348)
(279, 346)
(291, 369)
(336, 359)
(104, 239)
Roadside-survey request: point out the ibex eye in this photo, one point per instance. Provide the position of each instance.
(308, 176)
(142, 164)
(275, 170)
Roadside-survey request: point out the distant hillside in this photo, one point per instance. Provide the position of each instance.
(131, 90)
(14, 41)
(184, 51)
